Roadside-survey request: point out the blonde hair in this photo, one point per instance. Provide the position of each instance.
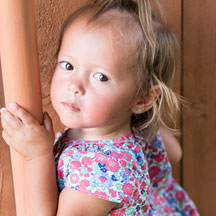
(153, 55)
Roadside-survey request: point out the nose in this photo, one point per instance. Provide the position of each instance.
(76, 87)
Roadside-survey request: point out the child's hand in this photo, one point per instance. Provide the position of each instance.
(25, 135)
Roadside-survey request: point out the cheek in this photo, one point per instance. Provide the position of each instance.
(55, 91)
(107, 108)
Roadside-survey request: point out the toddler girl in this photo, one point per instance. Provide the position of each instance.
(111, 89)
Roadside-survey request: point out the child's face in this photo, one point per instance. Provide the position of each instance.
(92, 86)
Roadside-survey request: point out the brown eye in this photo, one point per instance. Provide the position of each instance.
(101, 77)
(67, 66)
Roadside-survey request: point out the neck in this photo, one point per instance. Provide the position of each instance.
(102, 133)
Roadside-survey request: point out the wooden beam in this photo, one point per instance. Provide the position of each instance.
(20, 72)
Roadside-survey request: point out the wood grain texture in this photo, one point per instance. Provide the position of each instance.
(199, 87)
(173, 12)
(20, 74)
(7, 202)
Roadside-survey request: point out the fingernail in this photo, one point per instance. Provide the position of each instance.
(13, 105)
(3, 109)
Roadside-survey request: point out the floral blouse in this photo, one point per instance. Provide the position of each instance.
(127, 170)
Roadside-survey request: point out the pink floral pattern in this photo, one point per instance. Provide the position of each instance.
(115, 170)
(127, 170)
(167, 197)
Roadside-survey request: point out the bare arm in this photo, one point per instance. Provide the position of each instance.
(41, 197)
(34, 142)
(172, 146)
(41, 194)
(75, 203)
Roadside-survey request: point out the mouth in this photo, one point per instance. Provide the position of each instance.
(71, 106)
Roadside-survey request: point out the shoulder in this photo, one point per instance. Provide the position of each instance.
(156, 147)
(112, 173)
(159, 167)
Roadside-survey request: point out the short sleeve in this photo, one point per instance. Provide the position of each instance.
(114, 176)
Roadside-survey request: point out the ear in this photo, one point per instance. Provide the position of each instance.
(145, 102)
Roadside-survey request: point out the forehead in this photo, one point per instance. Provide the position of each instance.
(92, 40)
(109, 33)
(123, 27)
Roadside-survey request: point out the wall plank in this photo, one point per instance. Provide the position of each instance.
(173, 12)
(7, 202)
(199, 87)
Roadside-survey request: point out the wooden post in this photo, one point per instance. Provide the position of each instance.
(20, 71)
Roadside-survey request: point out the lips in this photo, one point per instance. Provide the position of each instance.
(70, 106)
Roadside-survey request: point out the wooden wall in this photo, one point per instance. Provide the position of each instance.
(199, 86)
(194, 23)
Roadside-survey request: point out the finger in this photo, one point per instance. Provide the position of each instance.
(21, 113)
(2, 109)
(9, 119)
(48, 122)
